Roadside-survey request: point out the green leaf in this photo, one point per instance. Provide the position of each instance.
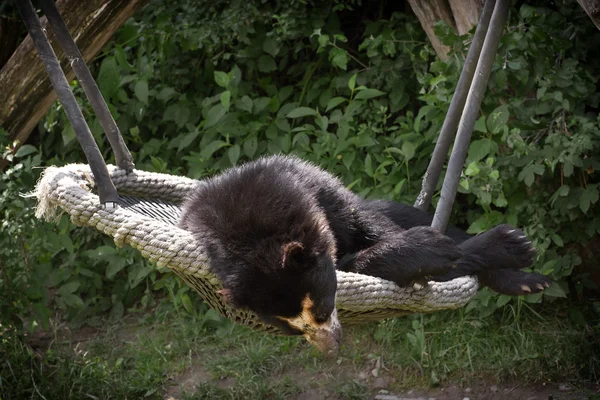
(166, 94)
(179, 113)
(121, 58)
(588, 196)
(225, 99)
(187, 303)
(557, 240)
(68, 134)
(485, 222)
(270, 46)
(266, 64)
(541, 92)
(109, 77)
(188, 139)
(408, 149)
(211, 148)
(282, 124)
(213, 115)
(25, 150)
(472, 169)
(222, 78)
(141, 91)
(260, 104)
(479, 149)
(555, 290)
(245, 104)
(234, 154)
(527, 174)
(480, 125)
(352, 82)
(236, 76)
(323, 40)
(68, 288)
(114, 267)
(502, 300)
(368, 94)
(72, 300)
(301, 112)
(137, 273)
(285, 92)
(250, 146)
(339, 58)
(498, 118)
(334, 102)
(368, 165)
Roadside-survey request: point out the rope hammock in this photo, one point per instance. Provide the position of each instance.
(150, 227)
(141, 209)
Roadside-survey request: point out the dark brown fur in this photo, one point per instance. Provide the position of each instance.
(275, 230)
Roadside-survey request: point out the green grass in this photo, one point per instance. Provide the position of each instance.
(204, 356)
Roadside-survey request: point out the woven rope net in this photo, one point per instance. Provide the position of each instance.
(147, 221)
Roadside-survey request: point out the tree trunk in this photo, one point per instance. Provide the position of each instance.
(429, 12)
(461, 15)
(592, 8)
(26, 91)
(9, 37)
(466, 14)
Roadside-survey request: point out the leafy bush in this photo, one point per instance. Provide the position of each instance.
(197, 87)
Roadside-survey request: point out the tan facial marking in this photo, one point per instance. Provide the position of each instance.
(305, 321)
(325, 336)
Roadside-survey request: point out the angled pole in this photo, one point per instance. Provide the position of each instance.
(106, 189)
(448, 132)
(470, 114)
(123, 157)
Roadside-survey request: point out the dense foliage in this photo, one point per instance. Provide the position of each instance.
(199, 86)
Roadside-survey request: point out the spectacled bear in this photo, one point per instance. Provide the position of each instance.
(276, 229)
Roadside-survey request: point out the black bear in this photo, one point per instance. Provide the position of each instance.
(277, 228)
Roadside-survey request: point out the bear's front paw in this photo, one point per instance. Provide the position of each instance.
(432, 253)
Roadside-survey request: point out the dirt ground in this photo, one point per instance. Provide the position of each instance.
(197, 374)
(379, 384)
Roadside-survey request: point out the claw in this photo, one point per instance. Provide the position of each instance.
(526, 288)
(511, 231)
(522, 237)
(546, 284)
(539, 286)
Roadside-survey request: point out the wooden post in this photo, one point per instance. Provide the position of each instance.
(26, 93)
(592, 8)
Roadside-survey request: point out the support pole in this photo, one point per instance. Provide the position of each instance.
(106, 189)
(470, 114)
(448, 132)
(123, 157)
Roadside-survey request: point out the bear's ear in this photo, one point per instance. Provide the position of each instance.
(292, 254)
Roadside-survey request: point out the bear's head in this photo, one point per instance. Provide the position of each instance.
(289, 281)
